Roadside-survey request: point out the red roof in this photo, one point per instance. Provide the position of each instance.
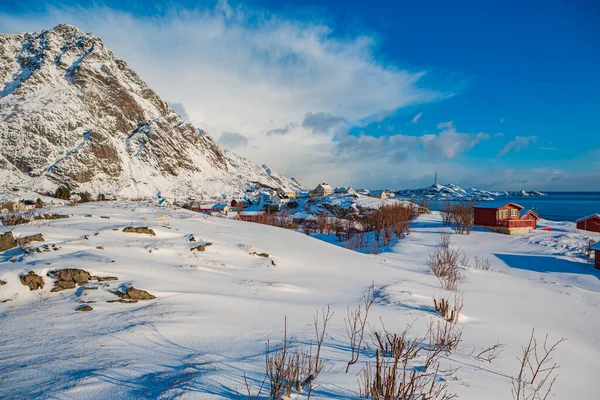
(589, 217)
(531, 212)
(496, 204)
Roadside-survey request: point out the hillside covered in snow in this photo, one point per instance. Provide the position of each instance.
(73, 114)
(184, 308)
(454, 192)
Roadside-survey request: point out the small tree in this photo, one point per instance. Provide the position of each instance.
(39, 203)
(63, 193)
(101, 197)
(85, 197)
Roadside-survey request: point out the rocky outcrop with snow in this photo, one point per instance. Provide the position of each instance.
(74, 114)
(455, 192)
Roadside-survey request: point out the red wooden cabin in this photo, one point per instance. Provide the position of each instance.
(590, 223)
(502, 217)
(531, 215)
(596, 249)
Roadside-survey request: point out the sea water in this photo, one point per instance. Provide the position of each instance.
(556, 206)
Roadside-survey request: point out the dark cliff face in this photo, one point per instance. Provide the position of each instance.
(72, 113)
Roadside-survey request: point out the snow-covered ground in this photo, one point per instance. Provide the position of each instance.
(215, 309)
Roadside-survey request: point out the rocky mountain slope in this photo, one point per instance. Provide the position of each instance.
(74, 114)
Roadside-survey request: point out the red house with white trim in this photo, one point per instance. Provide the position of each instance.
(596, 249)
(502, 217)
(590, 223)
(531, 215)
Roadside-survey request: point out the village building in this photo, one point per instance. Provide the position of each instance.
(344, 190)
(590, 223)
(4, 211)
(502, 217)
(379, 194)
(23, 205)
(222, 208)
(300, 217)
(287, 192)
(303, 194)
(596, 250)
(250, 216)
(239, 203)
(322, 190)
(531, 215)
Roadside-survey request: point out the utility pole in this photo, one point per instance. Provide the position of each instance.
(435, 178)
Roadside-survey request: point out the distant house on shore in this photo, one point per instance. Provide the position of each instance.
(596, 249)
(344, 190)
(503, 218)
(235, 203)
(23, 205)
(287, 192)
(590, 223)
(322, 190)
(250, 216)
(224, 208)
(379, 194)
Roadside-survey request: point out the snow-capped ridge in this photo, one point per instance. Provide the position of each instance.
(451, 191)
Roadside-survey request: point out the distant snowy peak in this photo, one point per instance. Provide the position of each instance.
(260, 176)
(74, 114)
(454, 192)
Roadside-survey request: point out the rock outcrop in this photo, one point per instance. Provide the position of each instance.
(32, 280)
(7, 241)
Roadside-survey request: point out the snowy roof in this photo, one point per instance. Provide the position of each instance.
(324, 186)
(596, 215)
(596, 246)
(251, 213)
(497, 204)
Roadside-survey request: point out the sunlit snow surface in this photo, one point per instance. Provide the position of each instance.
(216, 309)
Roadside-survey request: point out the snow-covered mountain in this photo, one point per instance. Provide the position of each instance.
(260, 176)
(455, 192)
(74, 114)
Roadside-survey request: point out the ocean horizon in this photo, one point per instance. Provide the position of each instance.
(556, 206)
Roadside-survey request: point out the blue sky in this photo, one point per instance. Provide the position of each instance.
(499, 95)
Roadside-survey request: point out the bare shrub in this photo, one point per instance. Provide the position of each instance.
(290, 369)
(463, 217)
(444, 336)
(395, 376)
(537, 372)
(447, 214)
(482, 263)
(491, 353)
(444, 263)
(389, 220)
(356, 323)
(449, 312)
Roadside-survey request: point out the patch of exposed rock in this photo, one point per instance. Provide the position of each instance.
(84, 308)
(132, 293)
(2, 282)
(201, 247)
(141, 229)
(7, 241)
(24, 241)
(68, 278)
(259, 254)
(32, 280)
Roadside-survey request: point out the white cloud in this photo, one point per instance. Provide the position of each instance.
(445, 125)
(519, 143)
(232, 140)
(417, 117)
